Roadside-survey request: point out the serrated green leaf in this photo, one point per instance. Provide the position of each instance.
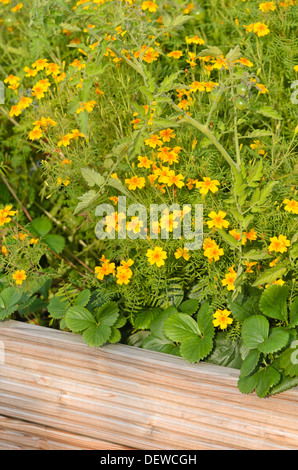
(144, 318)
(270, 275)
(83, 298)
(189, 306)
(40, 226)
(268, 111)
(277, 339)
(58, 306)
(255, 330)
(180, 327)
(266, 378)
(79, 318)
(108, 313)
(86, 199)
(96, 335)
(289, 360)
(153, 343)
(247, 384)
(294, 314)
(196, 348)
(157, 325)
(92, 177)
(273, 302)
(256, 254)
(250, 362)
(55, 242)
(115, 336)
(286, 383)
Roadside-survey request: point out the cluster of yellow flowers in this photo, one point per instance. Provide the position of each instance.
(123, 272)
(40, 127)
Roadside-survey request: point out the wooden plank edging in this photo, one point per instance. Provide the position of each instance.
(56, 391)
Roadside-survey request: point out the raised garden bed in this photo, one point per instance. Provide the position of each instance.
(58, 393)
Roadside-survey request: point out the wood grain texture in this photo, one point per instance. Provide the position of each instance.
(58, 393)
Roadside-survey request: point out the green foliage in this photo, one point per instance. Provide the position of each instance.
(117, 86)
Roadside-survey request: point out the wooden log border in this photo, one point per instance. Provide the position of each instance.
(58, 393)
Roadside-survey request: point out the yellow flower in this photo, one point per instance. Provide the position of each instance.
(150, 6)
(208, 185)
(12, 80)
(135, 182)
(274, 262)
(36, 133)
(222, 318)
(261, 29)
(194, 40)
(89, 106)
(65, 140)
(244, 61)
(4, 250)
(249, 265)
(229, 279)
(291, 205)
(296, 68)
(212, 251)
(172, 178)
(75, 133)
(217, 220)
(105, 269)
(123, 275)
(15, 110)
(265, 7)
(40, 64)
(30, 72)
(279, 244)
(144, 162)
(19, 276)
(153, 141)
(156, 256)
(167, 134)
(175, 54)
(53, 69)
(197, 86)
(182, 252)
(78, 64)
(40, 88)
(6, 214)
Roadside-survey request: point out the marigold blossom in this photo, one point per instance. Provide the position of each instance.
(156, 256)
(19, 276)
(222, 318)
